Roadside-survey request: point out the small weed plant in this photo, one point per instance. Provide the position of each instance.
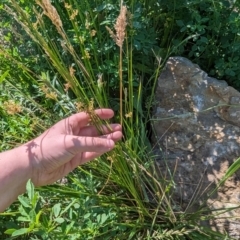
(70, 56)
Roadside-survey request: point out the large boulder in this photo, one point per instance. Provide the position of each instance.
(196, 123)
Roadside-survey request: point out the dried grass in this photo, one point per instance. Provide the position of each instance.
(118, 37)
(120, 27)
(50, 11)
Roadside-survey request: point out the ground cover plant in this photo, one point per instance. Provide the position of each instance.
(61, 57)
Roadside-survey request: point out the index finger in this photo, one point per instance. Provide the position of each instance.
(80, 120)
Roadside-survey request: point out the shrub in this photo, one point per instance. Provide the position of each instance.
(211, 33)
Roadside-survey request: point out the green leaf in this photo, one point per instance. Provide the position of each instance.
(38, 216)
(87, 215)
(19, 232)
(35, 199)
(24, 201)
(231, 170)
(3, 76)
(57, 209)
(230, 72)
(101, 218)
(30, 190)
(98, 218)
(180, 23)
(69, 227)
(76, 205)
(104, 218)
(23, 219)
(68, 207)
(59, 220)
(10, 231)
(23, 211)
(32, 215)
(204, 39)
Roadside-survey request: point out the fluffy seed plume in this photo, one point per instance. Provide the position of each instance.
(51, 12)
(120, 27)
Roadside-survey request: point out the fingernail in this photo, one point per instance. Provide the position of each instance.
(111, 143)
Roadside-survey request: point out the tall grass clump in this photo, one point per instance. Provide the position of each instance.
(81, 63)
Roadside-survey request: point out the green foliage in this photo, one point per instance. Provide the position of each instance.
(120, 195)
(214, 25)
(62, 220)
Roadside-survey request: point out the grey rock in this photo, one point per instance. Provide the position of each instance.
(196, 122)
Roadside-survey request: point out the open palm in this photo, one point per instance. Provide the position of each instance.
(68, 144)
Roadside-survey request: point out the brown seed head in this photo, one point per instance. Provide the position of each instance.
(48, 93)
(51, 12)
(86, 55)
(93, 33)
(67, 86)
(80, 106)
(51, 95)
(67, 6)
(11, 107)
(72, 71)
(120, 26)
(74, 14)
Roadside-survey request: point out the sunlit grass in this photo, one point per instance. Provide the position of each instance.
(120, 195)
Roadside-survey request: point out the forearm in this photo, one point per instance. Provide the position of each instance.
(14, 174)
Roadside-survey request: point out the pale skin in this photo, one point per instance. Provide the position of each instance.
(55, 153)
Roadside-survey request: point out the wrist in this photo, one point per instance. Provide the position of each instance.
(16, 173)
(23, 161)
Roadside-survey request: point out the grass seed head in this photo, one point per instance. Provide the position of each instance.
(93, 33)
(112, 35)
(128, 115)
(48, 93)
(74, 14)
(51, 95)
(72, 71)
(67, 6)
(80, 106)
(100, 81)
(67, 86)
(82, 39)
(50, 11)
(11, 107)
(86, 54)
(120, 27)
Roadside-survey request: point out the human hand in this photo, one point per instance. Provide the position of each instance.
(68, 144)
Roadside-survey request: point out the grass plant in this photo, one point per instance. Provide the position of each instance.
(121, 195)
